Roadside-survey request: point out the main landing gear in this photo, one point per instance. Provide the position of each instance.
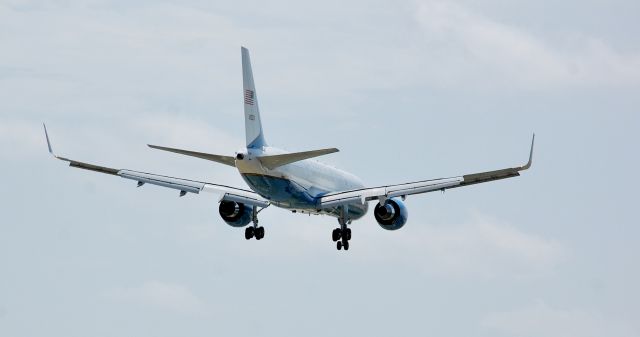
(253, 231)
(342, 235)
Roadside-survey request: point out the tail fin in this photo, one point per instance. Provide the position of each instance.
(252, 123)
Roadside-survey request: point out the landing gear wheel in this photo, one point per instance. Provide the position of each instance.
(335, 235)
(346, 245)
(249, 232)
(348, 234)
(339, 245)
(259, 233)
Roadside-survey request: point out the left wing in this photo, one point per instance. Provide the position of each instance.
(183, 185)
(382, 193)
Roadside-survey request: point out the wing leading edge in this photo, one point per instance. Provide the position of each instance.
(183, 185)
(402, 190)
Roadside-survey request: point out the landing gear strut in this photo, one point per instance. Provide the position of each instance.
(253, 230)
(342, 235)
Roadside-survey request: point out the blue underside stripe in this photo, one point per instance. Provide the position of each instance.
(289, 193)
(281, 190)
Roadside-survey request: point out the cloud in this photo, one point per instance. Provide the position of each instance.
(544, 320)
(21, 139)
(24, 140)
(483, 247)
(191, 132)
(468, 46)
(160, 295)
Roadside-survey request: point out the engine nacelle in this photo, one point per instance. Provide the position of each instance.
(235, 214)
(392, 215)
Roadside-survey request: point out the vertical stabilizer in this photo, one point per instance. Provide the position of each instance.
(252, 123)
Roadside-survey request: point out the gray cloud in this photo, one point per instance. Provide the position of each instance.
(499, 49)
(541, 319)
(160, 295)
(482, 247)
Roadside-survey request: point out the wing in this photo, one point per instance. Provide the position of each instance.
(183, 185)
(402, 190)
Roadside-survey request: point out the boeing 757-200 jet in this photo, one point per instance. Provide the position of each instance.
(292, 181)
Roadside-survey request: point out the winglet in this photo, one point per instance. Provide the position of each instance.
(528, 165)
(48, 142)
(79, 164)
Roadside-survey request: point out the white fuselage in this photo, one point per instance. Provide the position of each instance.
(297, 186)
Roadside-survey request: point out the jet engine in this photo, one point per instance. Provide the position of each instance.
(235, 214)
(392, 215)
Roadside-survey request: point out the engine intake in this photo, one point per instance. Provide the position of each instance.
(392, 215)
(235, 214)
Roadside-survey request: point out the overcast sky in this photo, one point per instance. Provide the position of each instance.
(405, 89)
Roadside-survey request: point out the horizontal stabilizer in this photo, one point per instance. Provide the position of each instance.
(274, 161)
(227, 160)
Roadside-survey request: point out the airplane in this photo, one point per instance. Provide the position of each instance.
(293, 181)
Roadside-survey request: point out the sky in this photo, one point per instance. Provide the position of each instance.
(407, 90)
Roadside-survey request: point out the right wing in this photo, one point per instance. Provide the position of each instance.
(382, 193)
(183, 185)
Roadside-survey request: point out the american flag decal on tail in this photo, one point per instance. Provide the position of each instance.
(249, 97)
